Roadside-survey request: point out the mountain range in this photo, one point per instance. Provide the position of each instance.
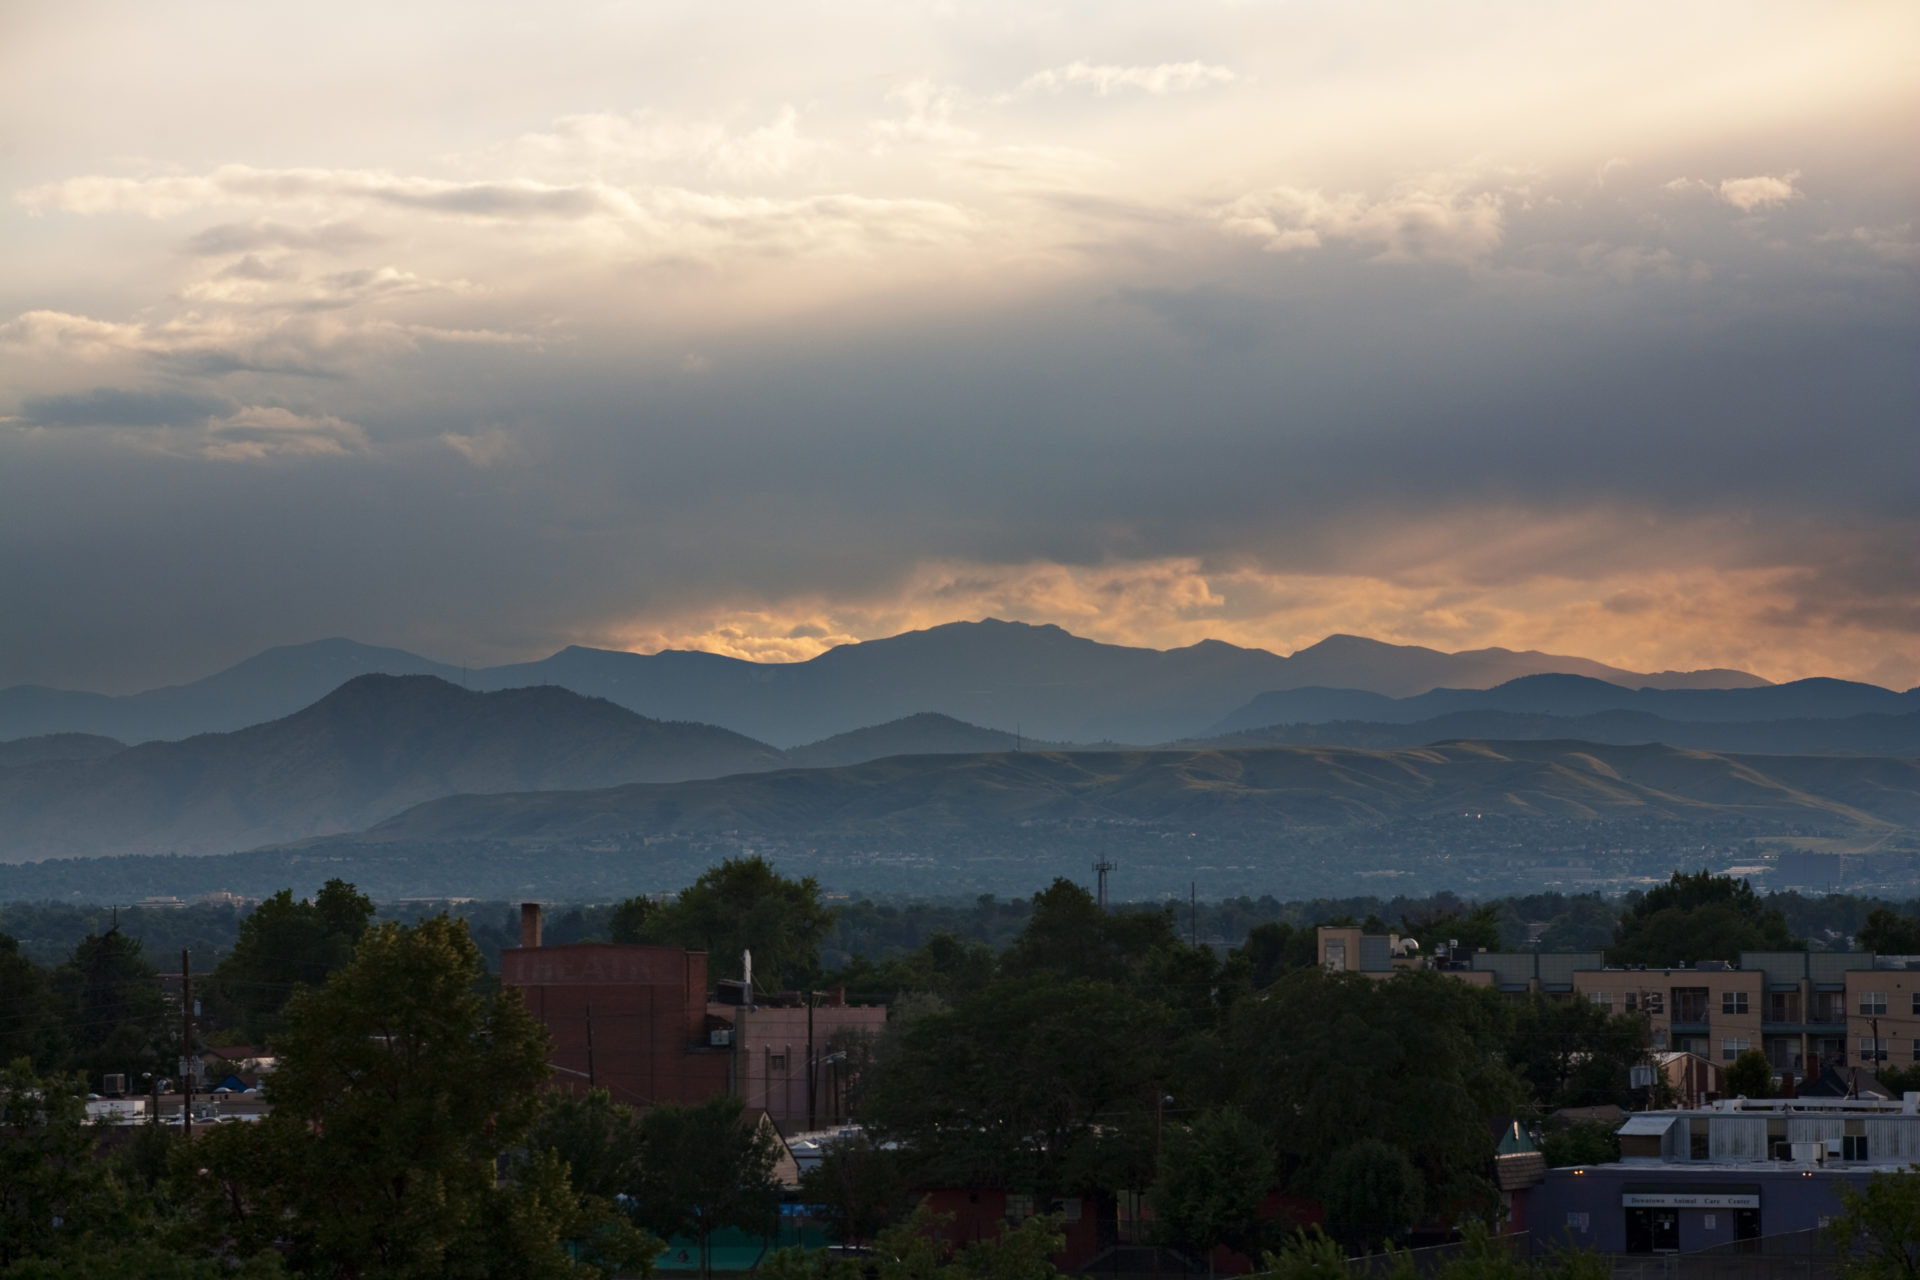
(938, 798)
(365, 751)
(1036, 680)
(1565, 695)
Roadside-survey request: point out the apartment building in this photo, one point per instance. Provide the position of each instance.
(1804, 1010)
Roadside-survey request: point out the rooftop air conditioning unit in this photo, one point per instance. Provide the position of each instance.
(114, 1083)
(1809, 1152)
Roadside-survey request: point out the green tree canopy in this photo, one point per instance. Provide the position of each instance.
(399, 1090)
(860, 1187)
(1048, 1084)
(1070, 936)
(1473, 928)
(1213, 1176)
(1877, 1230)
(704, 1167)
(1750, 1076)
(1573, 1053)
(1889, 934)
(27, 1026)
(1698, 917)
(108, 998)
(56, 1197)
(1372, 1192)
(741, 905)
(1275, 947)
(1417, 1061)
(284, 945)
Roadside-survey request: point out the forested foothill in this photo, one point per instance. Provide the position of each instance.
(1044, 1047)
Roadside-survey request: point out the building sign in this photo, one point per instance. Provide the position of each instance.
(1688, 1200)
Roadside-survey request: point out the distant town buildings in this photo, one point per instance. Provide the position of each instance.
(1806, 1010)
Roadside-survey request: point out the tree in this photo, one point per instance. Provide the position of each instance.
(1213, 1177)
(1889, 934)
(1275, 947)
(1474, 928)
(1047, 1084)
(1698, 917)
(26, 1022)
(285, 945)
(1416, 1061)
(741, 905)
(1750, 1076)
(399, 1091)
(1070, 936)
(597, 1138)
(705, 1167)
(1573, 1053)
(1583, 1142)
(1307, 1255)
(109, 998)
(1877, 1231)
(1373, 1192)
(54, 1193)
(859, 1188)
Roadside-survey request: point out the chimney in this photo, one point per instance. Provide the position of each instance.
(530, 924)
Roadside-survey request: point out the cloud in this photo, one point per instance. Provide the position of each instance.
(645, 141)
(119, 407)
(1744, 194)
(1763, 192)
(259, 432)
(929, 116)
(1167, 77)
(249, 237)
(1430, 220)
(481, 448)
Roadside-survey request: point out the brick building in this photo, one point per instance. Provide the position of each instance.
(641, 1022)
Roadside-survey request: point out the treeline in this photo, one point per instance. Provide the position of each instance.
(879, 929)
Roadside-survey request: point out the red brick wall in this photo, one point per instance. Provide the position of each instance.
(649, 1008)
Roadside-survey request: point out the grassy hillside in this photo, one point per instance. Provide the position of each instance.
(1278, 789)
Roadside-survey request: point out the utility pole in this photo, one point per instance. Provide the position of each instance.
(1193, 913)
(590, 1081)
(186, 1045)
(810, 1063)
(1101, 868)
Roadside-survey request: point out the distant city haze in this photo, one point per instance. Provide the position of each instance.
(480, 332)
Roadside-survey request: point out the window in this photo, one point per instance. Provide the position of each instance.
(1783, 1006)
(1019, 1207)
(1337, 956)
(1853, 1147)
(1733, 1002)
(1633, 1001)
(1602, 998)
(1873, 1003)
(1733, 1047)
(1689, 1004)
(776, 1062)
(1872, 1050)
(1916, 1002)
(1916, 1050)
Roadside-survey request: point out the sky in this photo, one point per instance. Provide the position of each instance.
(484, 329)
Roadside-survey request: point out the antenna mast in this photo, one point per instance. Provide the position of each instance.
(1101, 868)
